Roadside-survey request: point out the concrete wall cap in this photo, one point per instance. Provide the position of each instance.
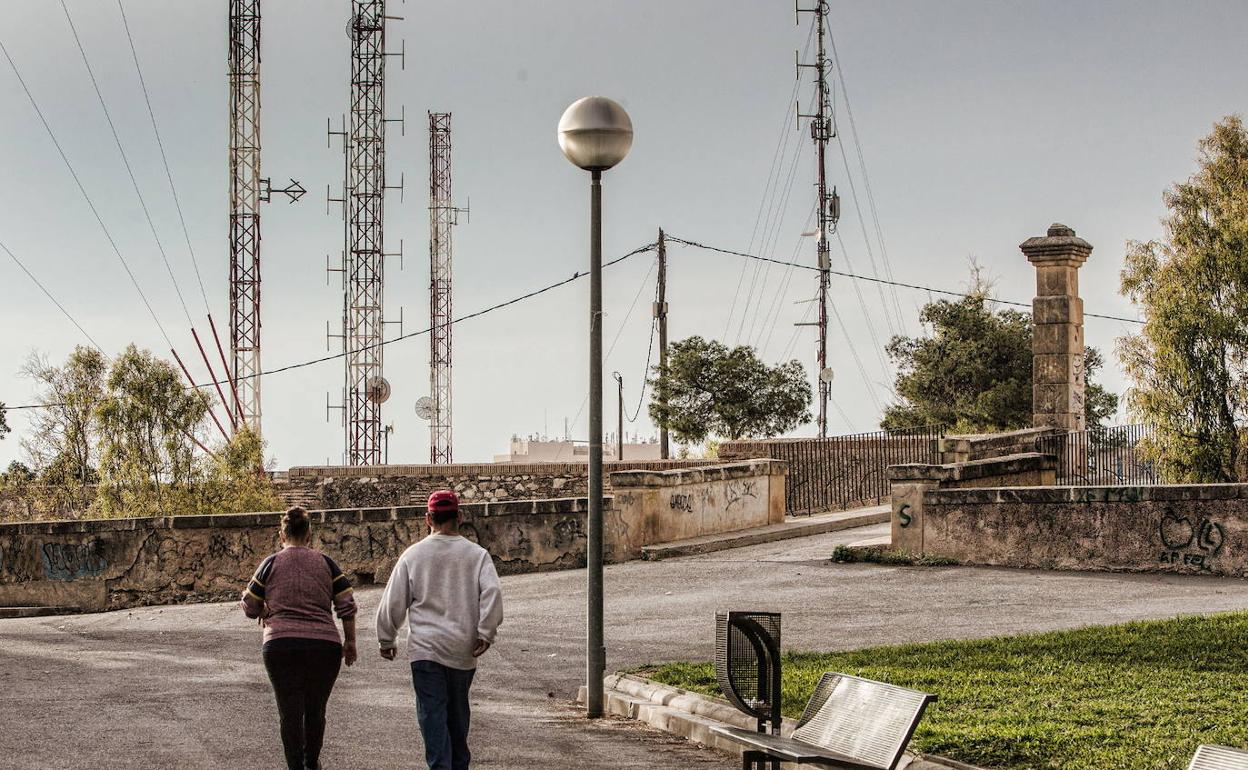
(680, 477)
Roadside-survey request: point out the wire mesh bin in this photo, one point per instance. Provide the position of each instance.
(747, 664)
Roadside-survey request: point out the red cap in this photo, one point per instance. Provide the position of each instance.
(443, 500)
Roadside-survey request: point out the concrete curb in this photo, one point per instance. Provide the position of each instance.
(814, 525)
(692, 715)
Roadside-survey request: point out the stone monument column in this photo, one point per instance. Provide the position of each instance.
(1057, 373)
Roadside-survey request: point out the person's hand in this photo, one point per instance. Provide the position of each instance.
(479, 648)
(388, 653)
(349, 654)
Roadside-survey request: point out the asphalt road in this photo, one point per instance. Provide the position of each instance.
(184, 686)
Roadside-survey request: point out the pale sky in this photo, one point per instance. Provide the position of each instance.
(980, 122)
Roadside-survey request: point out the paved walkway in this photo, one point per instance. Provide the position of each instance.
(183, 686)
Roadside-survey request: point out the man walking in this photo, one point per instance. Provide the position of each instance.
(447, 588)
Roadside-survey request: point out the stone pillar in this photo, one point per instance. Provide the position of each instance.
(1057, 345)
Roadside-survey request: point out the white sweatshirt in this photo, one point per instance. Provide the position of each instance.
(448, 589)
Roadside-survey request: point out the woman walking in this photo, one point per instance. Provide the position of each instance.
(294, 593)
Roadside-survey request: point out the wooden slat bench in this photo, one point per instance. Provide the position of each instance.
(1210, 757)
(849, 722)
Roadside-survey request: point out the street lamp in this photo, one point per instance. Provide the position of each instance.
(595, 134)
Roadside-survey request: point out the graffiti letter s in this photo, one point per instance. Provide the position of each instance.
(904, 517)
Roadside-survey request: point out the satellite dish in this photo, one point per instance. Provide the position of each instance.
(825, 375)
(424, 408)
(378, 389)
(352, 24)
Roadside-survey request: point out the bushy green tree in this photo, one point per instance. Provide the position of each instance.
(236, 480)
(62, 435)
(1189, 362)
(149, 426)
(712, 390)
(972, 372)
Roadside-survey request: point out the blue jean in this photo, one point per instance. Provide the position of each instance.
(443, 713)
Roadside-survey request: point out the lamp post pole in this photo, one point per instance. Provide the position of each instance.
(595, 134)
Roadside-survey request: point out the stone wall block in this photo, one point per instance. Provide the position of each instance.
(1057, 310)
(1057, 281)
(1058, 339)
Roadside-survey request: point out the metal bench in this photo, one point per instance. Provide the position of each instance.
(1210, 757)
(849, 722)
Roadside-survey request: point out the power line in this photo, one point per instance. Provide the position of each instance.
(125, 159)
(862, 163)
(476, 314)
(173, 190)
(90, 204)
(900, 284)
(48, 294)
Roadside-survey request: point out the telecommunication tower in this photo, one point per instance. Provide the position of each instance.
(247, 191)
(822, 129)
(363, 265)
(442, 216)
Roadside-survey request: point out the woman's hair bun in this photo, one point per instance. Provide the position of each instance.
(296, 523)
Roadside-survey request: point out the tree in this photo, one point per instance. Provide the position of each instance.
(973, 372)
(4, 425)
(149, 425)
(712, 390)
(1189, 363)
(236, 479)
(62, 435)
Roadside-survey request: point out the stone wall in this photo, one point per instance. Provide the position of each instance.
(318, 487)
(112, 563)
(912, 483)
(984, 446)
(662, 506)
(1192, 529)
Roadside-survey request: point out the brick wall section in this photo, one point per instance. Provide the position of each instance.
(1190, 529)
(317, 487)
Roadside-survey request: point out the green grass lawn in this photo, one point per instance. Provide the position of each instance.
(1139, 696)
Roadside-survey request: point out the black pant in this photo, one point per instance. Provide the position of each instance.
(303, 672)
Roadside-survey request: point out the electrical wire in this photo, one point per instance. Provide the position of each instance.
(899, 284)
(469, 316)
(173, 190)
(862, 163)
(777, 154)
(90, 203)
(48, 294)
(125, 159)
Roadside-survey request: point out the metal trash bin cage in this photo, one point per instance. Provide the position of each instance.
(747, 665)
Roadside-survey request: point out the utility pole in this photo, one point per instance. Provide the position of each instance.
(619, 436)
(660, 312)
(829, 207)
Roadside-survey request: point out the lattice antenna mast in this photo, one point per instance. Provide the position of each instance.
(822, 129)
(247, 191)
(442, 216)
(365, 387)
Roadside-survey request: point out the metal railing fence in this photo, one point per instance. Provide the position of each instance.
(1102, 456)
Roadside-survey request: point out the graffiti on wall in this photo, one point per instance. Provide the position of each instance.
(1190, 543)
(740, 490)
(681, 501)
(69, 561)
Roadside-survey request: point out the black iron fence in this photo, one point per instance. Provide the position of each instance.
(1102, 456)
(841, 472)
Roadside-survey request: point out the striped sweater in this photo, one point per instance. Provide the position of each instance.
(295, 592)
